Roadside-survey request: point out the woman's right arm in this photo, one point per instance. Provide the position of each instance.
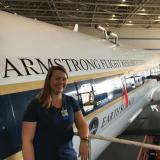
(28, 132)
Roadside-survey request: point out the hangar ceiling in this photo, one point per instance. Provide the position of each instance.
(110, 13)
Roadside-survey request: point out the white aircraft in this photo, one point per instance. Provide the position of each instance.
(112, 83)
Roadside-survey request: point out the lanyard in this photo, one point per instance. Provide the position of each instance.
(64, 111)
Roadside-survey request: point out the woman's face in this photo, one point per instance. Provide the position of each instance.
(58, 81)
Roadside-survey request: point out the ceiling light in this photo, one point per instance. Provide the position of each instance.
(159, 17)
(128, 24)
(130, 21)
(142, 14)
(113, 15)
(143, 10)
(113, 19)
(123, 5)
(6, 6)
(123, 0)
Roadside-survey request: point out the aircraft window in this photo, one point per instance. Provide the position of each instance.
(103, 91)
(93, 94)
(118, 91)
(130, 83)
(86, 95)
(154, 72)
(158, 70)
(106, 89)
(144, 76)
(147, 73)
(70, 90)
(138, 81)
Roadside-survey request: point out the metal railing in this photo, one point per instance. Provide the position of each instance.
(122, 141)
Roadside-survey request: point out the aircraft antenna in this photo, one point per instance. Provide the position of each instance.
(108, 34)
(75, 28)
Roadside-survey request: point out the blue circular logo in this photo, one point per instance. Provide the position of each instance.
(93, 125)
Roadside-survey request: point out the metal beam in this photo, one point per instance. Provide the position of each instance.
(111, 4)
(54, 10)
(93, 15)
(90, 12)
(90, 18)
(73, 11)
(135, 10)
(96, 22)
(157, 5)
(137, 24)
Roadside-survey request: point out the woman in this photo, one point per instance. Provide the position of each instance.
(47, 128)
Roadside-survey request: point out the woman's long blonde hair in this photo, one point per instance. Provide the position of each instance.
(45, 95)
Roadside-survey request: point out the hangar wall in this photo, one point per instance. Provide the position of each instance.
(148, 39)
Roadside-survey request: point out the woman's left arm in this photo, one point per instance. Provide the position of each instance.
(83, 131)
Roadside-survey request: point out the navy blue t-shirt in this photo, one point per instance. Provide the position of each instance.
(53, 135)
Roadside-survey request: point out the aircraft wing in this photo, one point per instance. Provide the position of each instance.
(146, 123)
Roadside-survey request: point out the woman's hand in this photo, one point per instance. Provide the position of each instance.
(84, 150)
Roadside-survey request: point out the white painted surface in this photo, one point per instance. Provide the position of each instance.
(135, 37)
(24, 38)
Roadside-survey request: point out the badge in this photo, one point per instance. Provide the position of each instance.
(64, 113)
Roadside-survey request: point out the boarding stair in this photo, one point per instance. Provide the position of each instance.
(149, 154)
